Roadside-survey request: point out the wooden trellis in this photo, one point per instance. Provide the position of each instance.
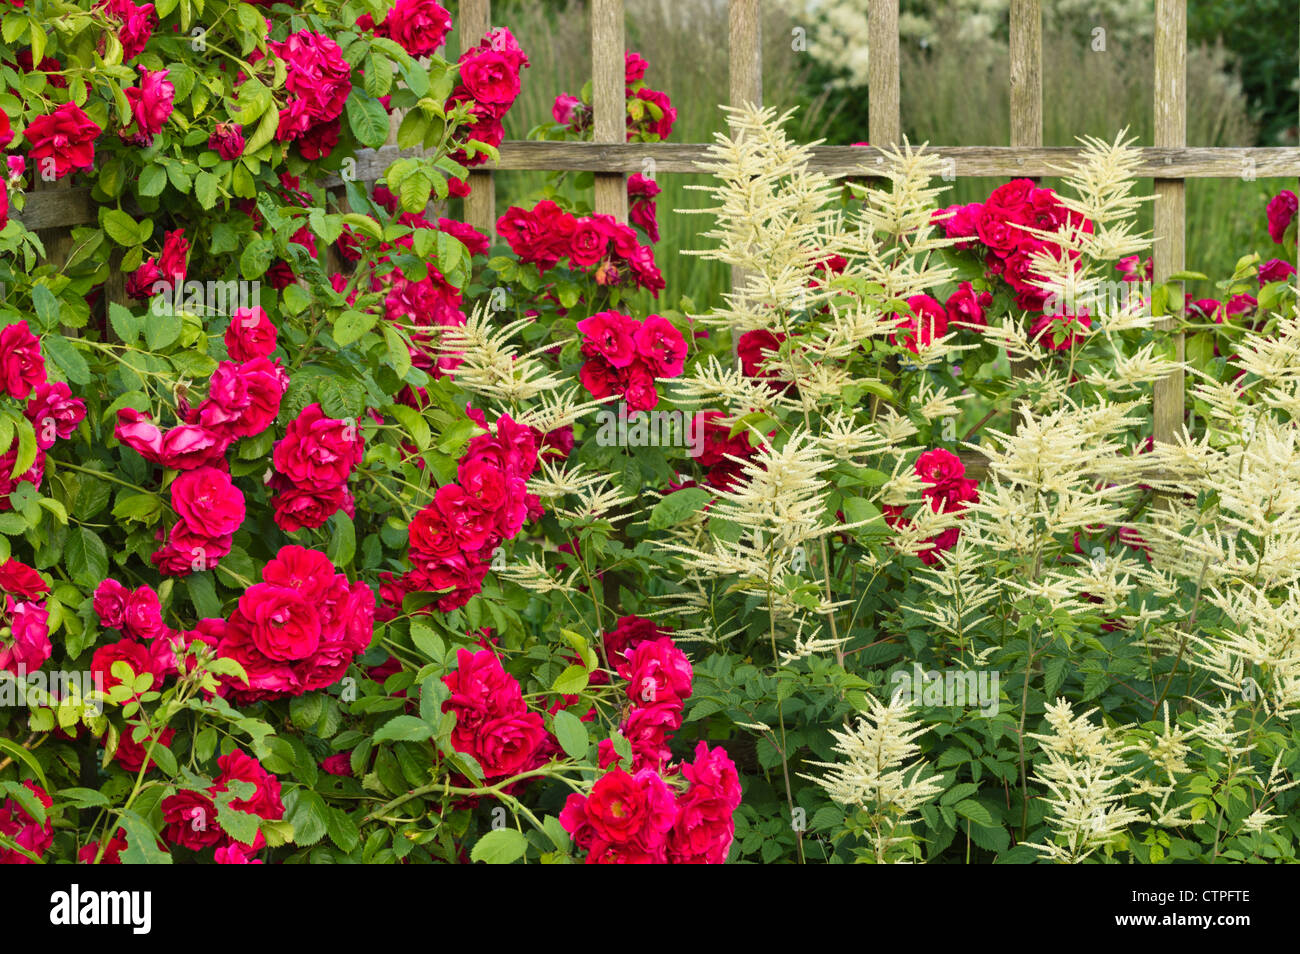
(611, 159)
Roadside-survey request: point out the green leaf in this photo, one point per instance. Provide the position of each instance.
(206, 189)
(86, 557)
(500, 847)
(367, 119)
(69, 360)
(203, 594)
(351, 325)
(121, 228)
(572, 681)
(343, 542)
(677, 506)
(241, 826)
(571, 733)
(141, 843)
(975, 812)
(306, 811)
(126, 325)
(264, 132)
(256, 259)
(305, 710)
(342, 829)
(399, 356)
(404, 728)
(47, 307)
(152, 181)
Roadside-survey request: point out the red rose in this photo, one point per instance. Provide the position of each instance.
(417, 26)
(965, 306)
(250, 335)
(227, 141)
(110, 603)
(21, 366)
(509, 745)
(23, 830)
(319, 81)
(318, 452)
(623, 813)
(142, 613)
(587, 244)
(929, 316)
(297, 509)
(174, 258)
(62, 141)
(491, 79)
(756, 347)
(54, 413)
(136, 25)
(612, 336)
(1281, 210)
(190, 820)
(634, 67)
(21, 580)
(28, 645)
(661, 346)
(151, 104)
(284, 625)
(657, 672)
(480, 691)
(208, 501)
(704, 828)
(948, 490)
(237, 766)
(473, 240)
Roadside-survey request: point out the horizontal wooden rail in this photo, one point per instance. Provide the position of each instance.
(69, 207)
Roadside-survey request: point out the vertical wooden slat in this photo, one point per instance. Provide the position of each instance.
(609, 99)
(1026, 55)
(884, 127)
(745, 52)
(1026, 73)
(745, 66)
(481, 203)
(1170, 210)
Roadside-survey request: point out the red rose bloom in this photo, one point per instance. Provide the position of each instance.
(190, 820)
(227, 141)
(284, 625)
(21, 366)
(318, 452)
(661, 346)
(151, 104)
(19, 579)
(419, 27)
(208, 502)
(54, 413)
(63, 141)
(1281, 210)
(23, 830)
(250, 335)
(612, 336)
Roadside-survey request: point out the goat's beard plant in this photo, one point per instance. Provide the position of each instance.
(853, 554)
